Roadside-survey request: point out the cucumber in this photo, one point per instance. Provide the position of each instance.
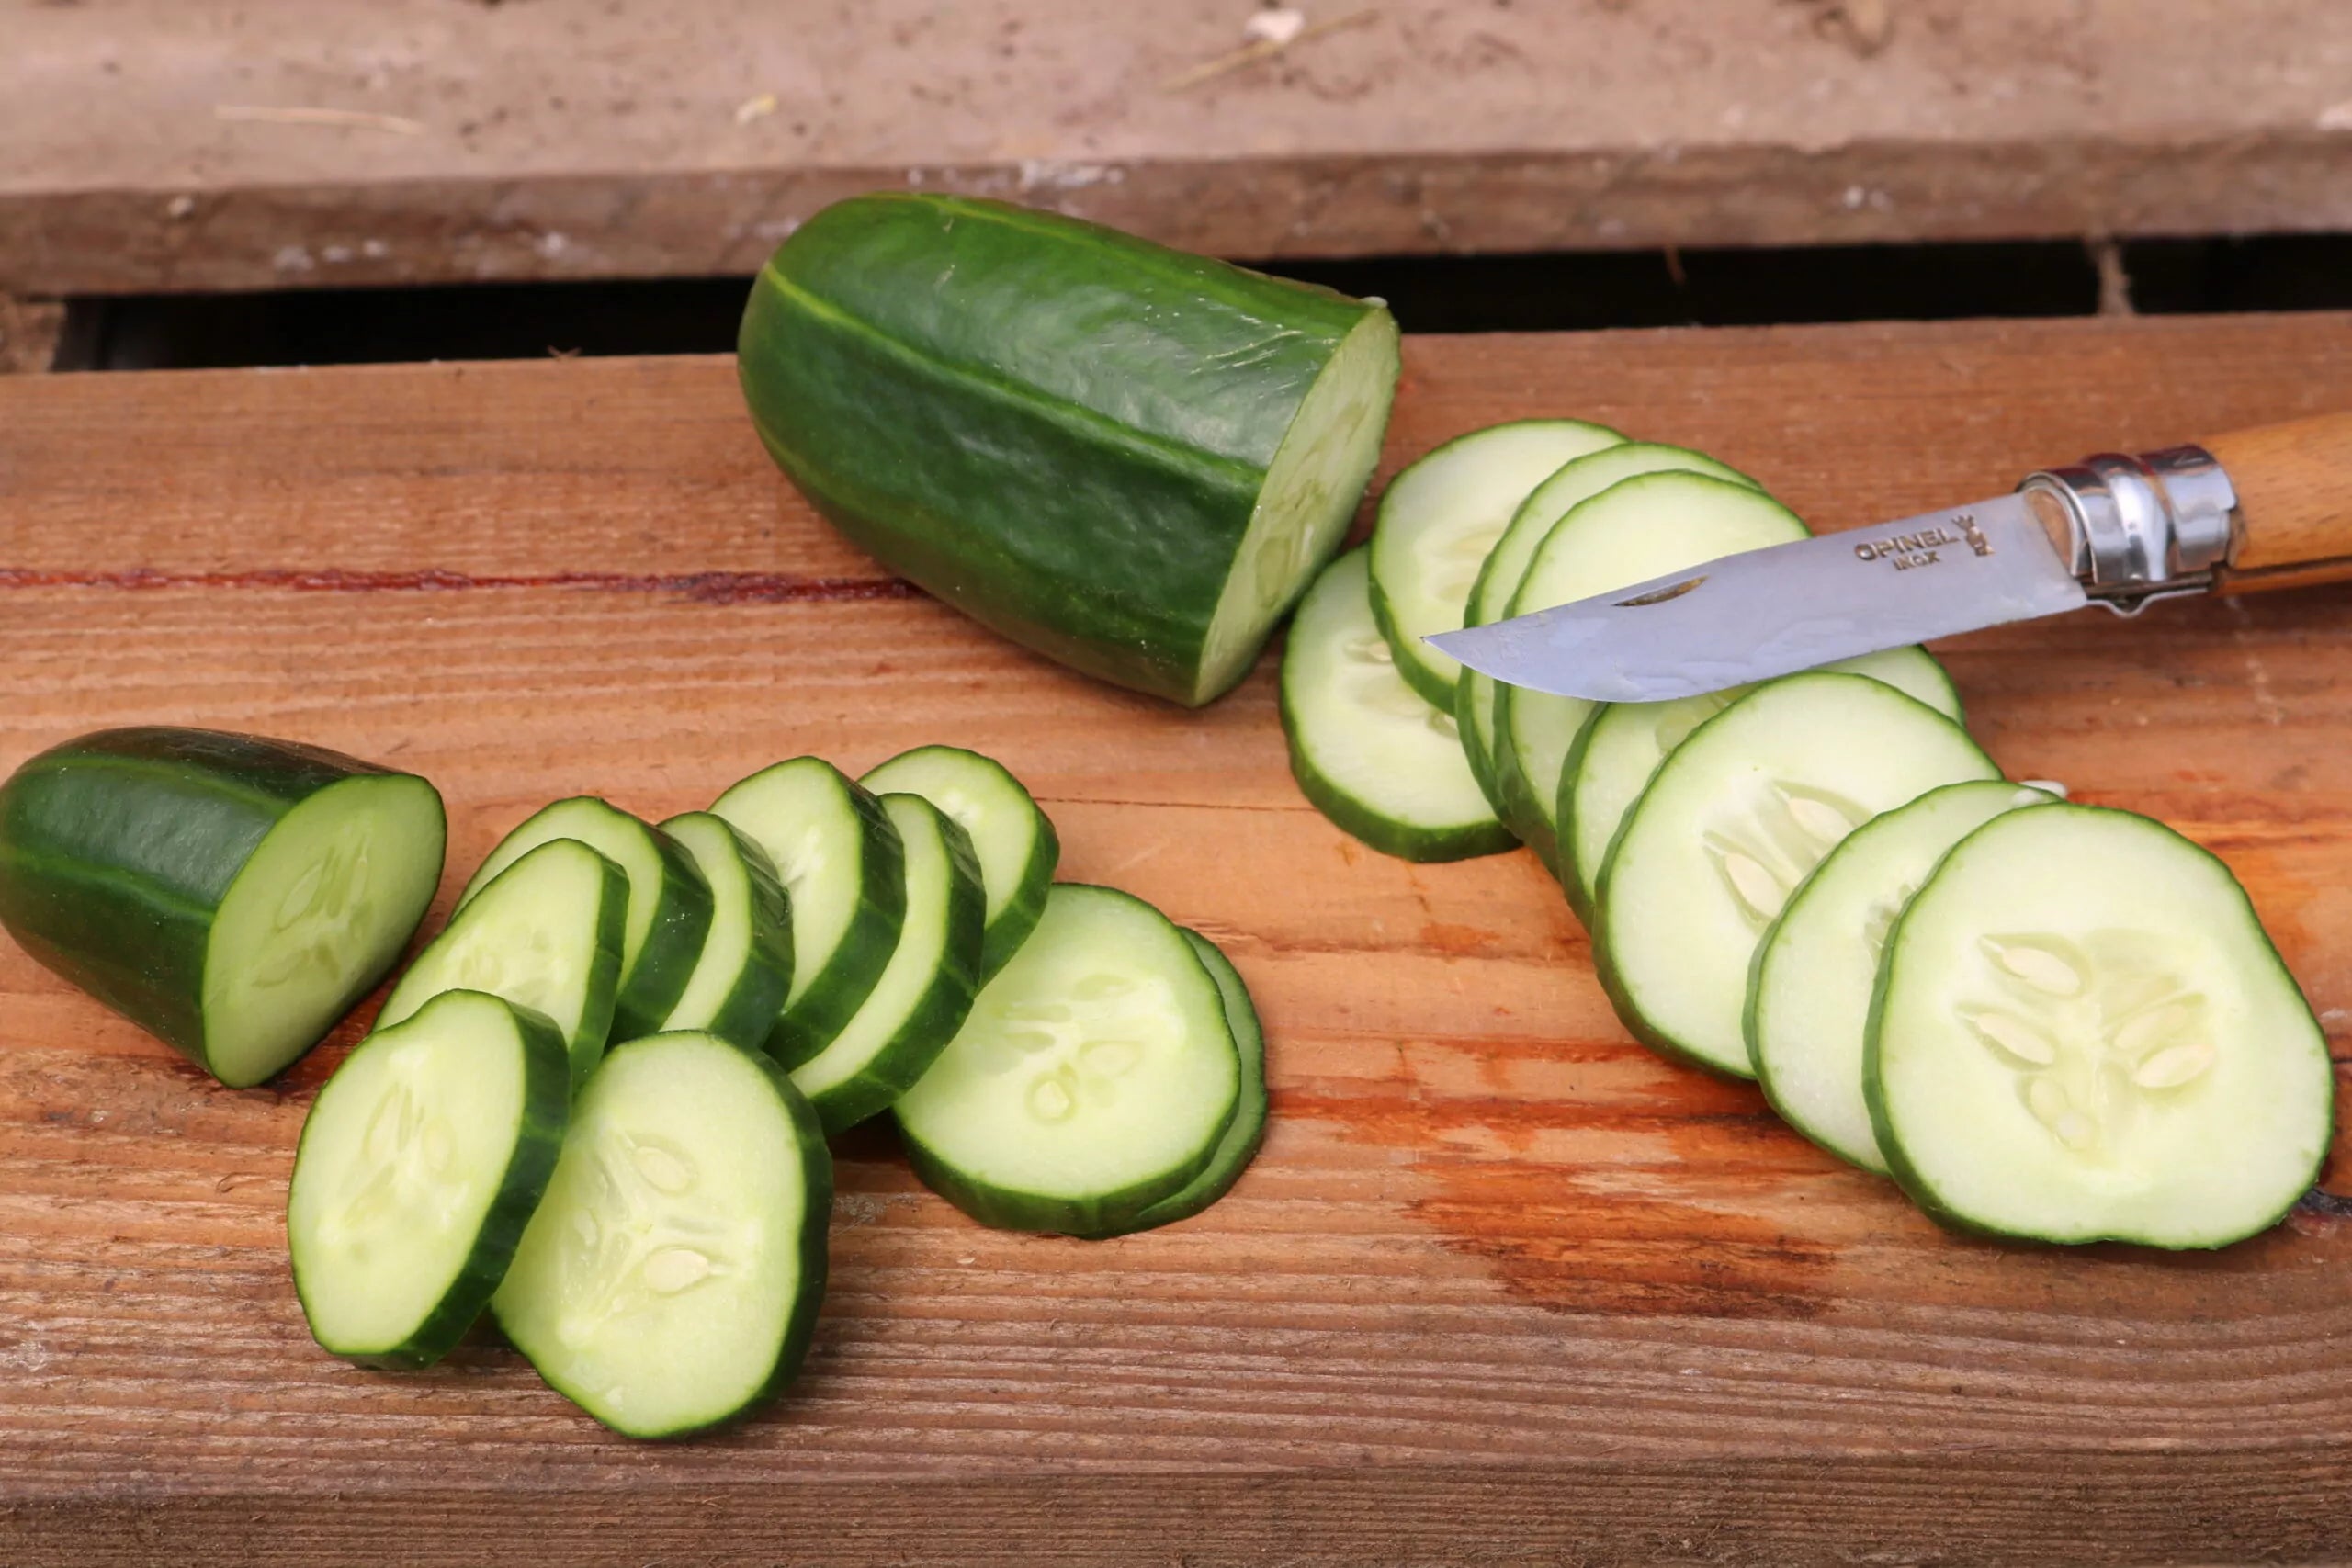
(1095, 1076)
(1371, 754)
(230, 895)
(1731, 823)
(1621, 745)
(841, 863)
(1636, 529)
(745, 971)
(1248, 1128)
(1809, 995)
(419, 1165)
(1123, 456)
(671, 1278)
(1014, 839)
(545, 934)
(669, 902)
(1499, 580)
(1437, 520)
(926, 990)
(2082, 1034)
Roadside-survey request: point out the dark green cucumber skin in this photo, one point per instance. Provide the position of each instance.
(934, 1019)
(673, 945)
(1352, 816)
(850, 976)
(546, 1107)
(1521, 816)
(1482, 761)
(1010, 408)
(800, 1323)
(1907, 1176)
(117, 848)
(751, 1008)
(1426, 687)
(1027, 906)
(1571, 881)
(1248, 1129)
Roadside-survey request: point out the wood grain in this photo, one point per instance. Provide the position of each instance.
(148, 144)
(1503, 1288)
(2294, 489)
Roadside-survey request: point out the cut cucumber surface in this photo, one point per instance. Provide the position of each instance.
(1438, 519)
(544, 934)
(1013, 837)
(669, 902)
(926, 990)
(1623, 744)
(1636, 529)
(745, 972)
(1248, 1129)
(841, 863)
(1506, 567)
(230, 895)
(671, 1278)
(1367, 751)
(419, 1166)
(1732, 822)
(2083, 1034)
(1095, 1076)
(1809, 996)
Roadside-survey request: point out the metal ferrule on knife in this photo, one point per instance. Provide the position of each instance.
(2141, 528)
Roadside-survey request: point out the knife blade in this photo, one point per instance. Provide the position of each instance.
(1784, 608)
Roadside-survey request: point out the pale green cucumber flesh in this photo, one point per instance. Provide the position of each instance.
(1733, 821)
(419, 1165)
(1809, 994)
(739, 984)
(1637, 528)
(2082, 1034)
(544, 934)
(669, 902)
(1014, 839)
(1617, 751)
(1248, 1129)
(1439, 518)
(671, 1278)
(840, 861)
(1095, 1076)
(925, 991)
(1372, 755)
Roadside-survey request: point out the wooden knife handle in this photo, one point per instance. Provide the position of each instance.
(2294, 488)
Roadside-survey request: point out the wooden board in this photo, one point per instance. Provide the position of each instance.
(1503, 1288)
(144, 144)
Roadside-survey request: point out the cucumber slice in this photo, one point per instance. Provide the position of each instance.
(1248, 1128)
(230, 894)
(1128, 459)
(1809, 997)
(1014, 840)
(1437, 520)
(544, 934)
(1733, 821)
(1095, 1076)
(927, 988)
(669, 902)
(671, 1278)
(1638, 528)
(419, 1166)
(840, 862)
(1506, 567)
(1622, 746)
(2082, 1034)
(1365, 748)
(745, 972)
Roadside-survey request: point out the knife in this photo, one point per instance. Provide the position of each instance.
(2264, 508)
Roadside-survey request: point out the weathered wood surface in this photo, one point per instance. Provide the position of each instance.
(1503, 1288)
(144, 144)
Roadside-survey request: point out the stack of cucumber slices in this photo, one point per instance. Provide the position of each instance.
(2043, 1019)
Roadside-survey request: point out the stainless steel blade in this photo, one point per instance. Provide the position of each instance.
(1788, 607)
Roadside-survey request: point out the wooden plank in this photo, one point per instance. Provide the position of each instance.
(149, 145)
(1502, 1288)
(29, 331)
